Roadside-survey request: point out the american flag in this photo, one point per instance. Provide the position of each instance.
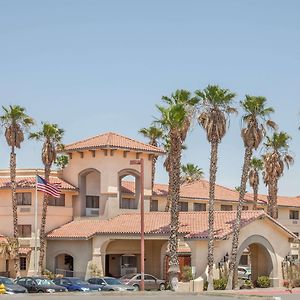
(45, 187)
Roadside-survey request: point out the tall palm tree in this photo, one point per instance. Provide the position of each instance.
(190, 173)
(175, 120)
(255, 118)
(153, 133)
(51, 135)
(215, 104)
(275, 159)
(15, 121)
(256, 166)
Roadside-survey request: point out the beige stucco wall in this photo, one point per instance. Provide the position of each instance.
(260, 228)
(104, 179)
(56, 215)
(80, 250)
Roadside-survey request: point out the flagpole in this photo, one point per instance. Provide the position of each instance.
(35, 226)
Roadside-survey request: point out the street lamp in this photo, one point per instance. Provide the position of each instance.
(141, 163)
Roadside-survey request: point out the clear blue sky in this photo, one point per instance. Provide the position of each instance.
(97, 66)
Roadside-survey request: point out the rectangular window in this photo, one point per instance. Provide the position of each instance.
(199, 207)
(225, 207)
(23, 263)
(294, 214)
(183, 206)
(56, 201)
(154, 205)
(245, 207)
(23, 198)
(128, 203)
(24, 230)
(92, 201)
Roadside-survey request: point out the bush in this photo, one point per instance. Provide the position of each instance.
(296, 282)
(187, 273)
(263, 282)
(220, 284)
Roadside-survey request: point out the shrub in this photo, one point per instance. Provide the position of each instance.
(220, 284)
(187, 273)
(296, 282)
(263, 282)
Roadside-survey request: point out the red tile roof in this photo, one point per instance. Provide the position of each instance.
(196, 190)
(29, 182)
(192, 225)
(113, 140)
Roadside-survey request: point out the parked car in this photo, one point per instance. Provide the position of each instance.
(151, 282)
(76, 284)
(244, 273)
(39, 285)
(111, 284)
(11, 287)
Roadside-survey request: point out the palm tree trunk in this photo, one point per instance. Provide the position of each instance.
(175, 194)
(212, 184)
(169, 197)
(43, 225)
(233, 263)
(255, 196)
(270, 198)
(14, 208)
(275, 205)
(154, 159)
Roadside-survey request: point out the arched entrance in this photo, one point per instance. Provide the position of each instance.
(64, 265)
(262, 257)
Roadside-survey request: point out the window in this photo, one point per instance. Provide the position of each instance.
(294, 214)
(154, 205)
(128, 203)
(295, 256)
(24, 230)
(245, 207)
(23, 198)
(92, 201)
(183, 206)
(225, 207)
(296, 233)
(199, 207)
(23, 265)
(56, 201)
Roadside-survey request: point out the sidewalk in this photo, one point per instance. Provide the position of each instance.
(257, 292)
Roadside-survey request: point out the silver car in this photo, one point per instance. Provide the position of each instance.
(110, 284)
(244, 273)
(151, 283)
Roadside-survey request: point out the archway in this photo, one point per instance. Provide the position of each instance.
(129, 189)
(90, 189)
(263, 261)
(64, 265)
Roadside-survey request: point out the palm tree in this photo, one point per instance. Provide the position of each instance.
(15, 121)
(61, 161)
(51, 135)
(190, 173)
(256, 166)
(153, 134)
(175, 120)
(215, 104)
(276, 157)
(255, 117)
